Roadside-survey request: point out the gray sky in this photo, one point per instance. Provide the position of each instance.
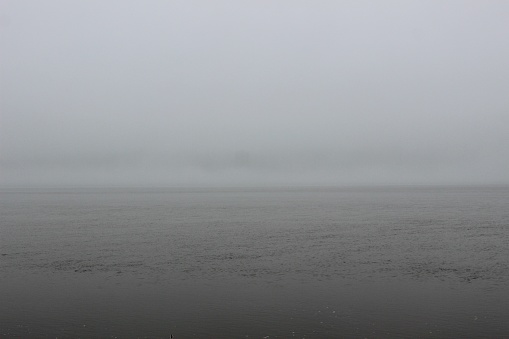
(254, 92)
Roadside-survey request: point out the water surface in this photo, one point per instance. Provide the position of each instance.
(314, 262)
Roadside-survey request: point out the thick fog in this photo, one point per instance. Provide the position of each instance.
(248, 93)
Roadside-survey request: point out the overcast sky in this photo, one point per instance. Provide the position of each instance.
(243, 93)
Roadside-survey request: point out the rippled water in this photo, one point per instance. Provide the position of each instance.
(349, 262)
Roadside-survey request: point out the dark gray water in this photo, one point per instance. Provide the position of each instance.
(359, 262)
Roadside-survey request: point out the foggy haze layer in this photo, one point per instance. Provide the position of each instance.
(197, 93)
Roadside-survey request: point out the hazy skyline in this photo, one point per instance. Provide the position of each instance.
(199, 93)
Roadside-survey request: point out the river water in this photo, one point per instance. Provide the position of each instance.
(239, 263)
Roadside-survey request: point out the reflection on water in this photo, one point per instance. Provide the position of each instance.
(380, 262)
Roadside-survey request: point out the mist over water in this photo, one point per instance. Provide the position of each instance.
(262, 169)
(227, 94)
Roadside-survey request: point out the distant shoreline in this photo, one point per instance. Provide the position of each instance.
(204, 189)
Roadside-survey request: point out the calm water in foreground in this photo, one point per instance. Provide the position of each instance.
(345, 262)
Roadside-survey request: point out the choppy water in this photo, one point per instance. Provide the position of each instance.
(358, 262)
